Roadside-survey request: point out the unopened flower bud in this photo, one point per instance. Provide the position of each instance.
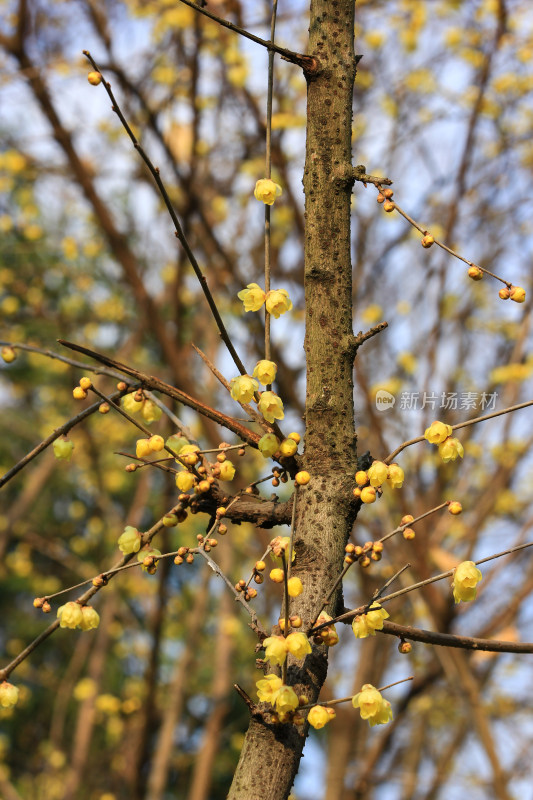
(455, 507)
(405, 647)
(517, 294)
(427, 240)
(94, 78)
(408, 534)
(475, 273)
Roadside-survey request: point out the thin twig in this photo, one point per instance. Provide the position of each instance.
(254, 624)
(61, 431)
(452, 640)
(350, 697)
(173, 215)
(354, 612)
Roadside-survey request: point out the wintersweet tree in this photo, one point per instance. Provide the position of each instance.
(397, 505)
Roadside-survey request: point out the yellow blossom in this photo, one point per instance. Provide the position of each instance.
(437, 432)
(69, 615)
(90, 618)
(288, 447)
(450, 449)
(319, 716)
(465, 578)
(275, 649)
(395, 476)
(9, 694)
(278, 302)
(383, 716)
(271, 406)
(185, 481)
(268, 445)
(150, 412)
(243, 388)
(227, 470)
(63, 448)
(268, 687)
(372, 706)
(368, 494)
(265, 372)
(367, 624)
(298, 644)
(286, 700)
(294, 587)
(377, 473)
(142, 448)
(266, 191)
(252, 297)
(130, 404)
(130, 540)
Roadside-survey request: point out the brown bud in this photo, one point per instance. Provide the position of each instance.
(222, 529)
(121, 386)
(190, 558)
(404, 647)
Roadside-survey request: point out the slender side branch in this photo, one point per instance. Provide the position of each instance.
(452, 640)
(418, 439)
(53, 436)
(150, 382)
(308, 63)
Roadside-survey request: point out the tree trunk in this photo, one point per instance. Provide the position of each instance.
(325, 509)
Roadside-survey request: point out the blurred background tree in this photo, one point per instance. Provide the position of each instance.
(144, 707)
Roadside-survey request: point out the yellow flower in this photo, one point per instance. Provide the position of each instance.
(253, 297)
(286, 700)
(437, 432)
(319, 716)
(142, 448)
(185, 481)
(156, 443)
(243, 388)
(367, 624)
(294, 587)
(268, 445)
(150, 412)
(268, 687)
(368, 494)
(372, 706)
(383, 716)
(288, 447)
(278, 302)
(130, 540)
(270, 406)
(90, 618)
(395, 476)
(298, 645)
(267, 191)
(188, 454)
(377, 473)
(69, 615)
(465, 578)
(450, 449)
(9, 694)
(275, 649)
(227, 470)
(63, 448)
(265, 372)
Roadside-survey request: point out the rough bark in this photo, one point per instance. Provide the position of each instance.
(325, 509)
